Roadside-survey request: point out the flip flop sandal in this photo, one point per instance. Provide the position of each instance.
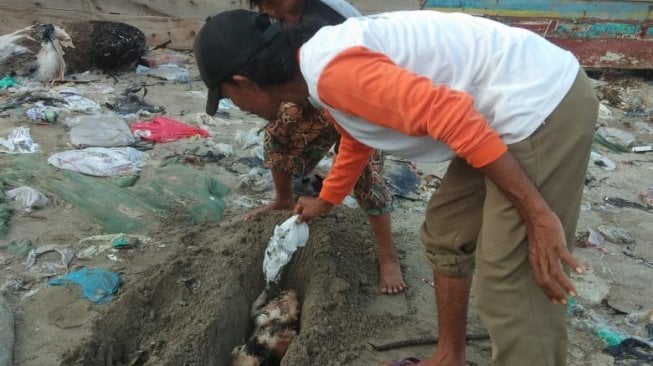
(406, 361)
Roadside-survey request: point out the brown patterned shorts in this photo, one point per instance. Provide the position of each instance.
(302, 135)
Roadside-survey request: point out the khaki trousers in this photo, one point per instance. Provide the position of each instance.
(470, 225)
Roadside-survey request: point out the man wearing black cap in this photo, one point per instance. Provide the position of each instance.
(515, 115)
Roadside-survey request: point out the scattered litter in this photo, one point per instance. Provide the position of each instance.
(621, 203)
(6, 332)
(18, 141)
(7, 82)
(169, 72)
(642, 149)
(401, 179)
(102, 243)
(615, 234)
(602, 162)
(248, 202)
(593, 239)
(42, 114)
(286, 239)
(51, 269)
(224, 149)
(98, 284)
(99, 130)
(76, 102)
(247, 139)
(128, 102)
(622, 139)
(257, 179)
(631, 347)
(163, 56)
(162, 129)
(27, 198)
(100, 161)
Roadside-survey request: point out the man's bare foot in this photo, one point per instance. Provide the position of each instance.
(274, 206)
(391, 281)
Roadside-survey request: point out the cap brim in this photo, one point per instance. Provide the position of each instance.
(213, 100)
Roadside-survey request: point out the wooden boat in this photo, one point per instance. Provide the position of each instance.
(602, 34)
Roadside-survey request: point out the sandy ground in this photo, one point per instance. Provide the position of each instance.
(186, 292)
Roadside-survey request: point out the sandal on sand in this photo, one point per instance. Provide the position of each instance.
(406, 361)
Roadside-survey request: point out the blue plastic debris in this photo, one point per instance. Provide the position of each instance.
(98, 284)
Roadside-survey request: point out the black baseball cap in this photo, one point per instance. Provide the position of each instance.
(227, 41)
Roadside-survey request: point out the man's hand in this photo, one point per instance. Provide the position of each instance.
(546, 249)
(309, 207)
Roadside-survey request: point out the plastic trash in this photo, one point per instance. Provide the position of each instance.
(617, 137)
(51, 269)
(169, 72)
(287, 238)
(99, 130)
(18, 141)
(162, 129)
(224, 149)
(7, 82)
(42, 114)
(163, 56)
(98, 284)
(6, 333)
(102, 243)
(602, 162)
(247, 139)
(257, 179)
(76, 102)
(27, 198)
(100, 161)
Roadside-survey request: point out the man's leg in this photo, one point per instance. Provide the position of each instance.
(449, 233)
(525, 327)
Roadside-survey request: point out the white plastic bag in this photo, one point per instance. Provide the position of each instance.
(26, 198)
(100, 130)
(100, 161)
(18, 141)
(286, 239)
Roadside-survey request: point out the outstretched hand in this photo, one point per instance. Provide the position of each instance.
(310, 207)
(547, 251)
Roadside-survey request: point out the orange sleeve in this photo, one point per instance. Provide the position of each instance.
(369, 85)
(347, 166)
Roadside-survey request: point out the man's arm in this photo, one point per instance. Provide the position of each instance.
(546, 239)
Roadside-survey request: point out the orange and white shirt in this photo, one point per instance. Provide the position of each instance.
(428, 86)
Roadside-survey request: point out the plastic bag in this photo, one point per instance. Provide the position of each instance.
(18, 141)
(165, 56)
(286, 239)
(26, 198)
(101, 130)
(99, 161)
(162, 129)
(169, 72)
(98, 284)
